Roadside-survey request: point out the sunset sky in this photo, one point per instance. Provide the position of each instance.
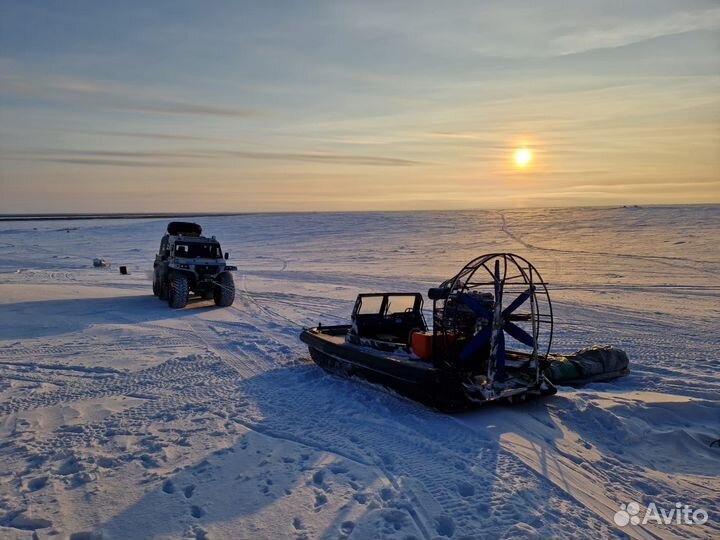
(274, 106)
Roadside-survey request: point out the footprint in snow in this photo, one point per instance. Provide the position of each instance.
(386, 494)
(200, 533)
(320, 500)
(444, 526)
(196, 512)
(37, 483)
(318, 477)
(465, 489)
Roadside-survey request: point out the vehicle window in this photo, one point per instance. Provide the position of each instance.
(370, 305)
(194, 251)
(400, 304)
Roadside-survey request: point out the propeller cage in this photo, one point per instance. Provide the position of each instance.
(493, 321)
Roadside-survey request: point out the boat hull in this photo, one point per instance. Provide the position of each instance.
(416, 379)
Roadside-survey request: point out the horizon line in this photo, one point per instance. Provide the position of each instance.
(62, 216)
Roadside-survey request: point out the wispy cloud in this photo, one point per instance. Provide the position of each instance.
(111, 162)
(634, 31)
(345, 159)
(179, 158)
(120, 154)
(158, 136)
(110, 95)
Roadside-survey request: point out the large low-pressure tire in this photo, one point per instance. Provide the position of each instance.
(224, 293)
(178, 291)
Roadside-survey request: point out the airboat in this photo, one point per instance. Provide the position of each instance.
(492, 330)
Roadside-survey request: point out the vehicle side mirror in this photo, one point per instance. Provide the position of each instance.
(227, 255)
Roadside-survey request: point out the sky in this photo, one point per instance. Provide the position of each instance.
(331, 106)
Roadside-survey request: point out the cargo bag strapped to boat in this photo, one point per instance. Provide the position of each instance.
(592, 364)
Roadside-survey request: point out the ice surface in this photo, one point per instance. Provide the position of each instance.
(121, 418)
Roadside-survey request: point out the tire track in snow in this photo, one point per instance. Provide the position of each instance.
(211, 391)
(76, 348)
(231, 352)
(170, 375)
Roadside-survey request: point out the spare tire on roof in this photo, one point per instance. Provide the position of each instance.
(184, 227)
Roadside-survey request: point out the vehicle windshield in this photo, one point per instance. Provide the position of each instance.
(196, 250)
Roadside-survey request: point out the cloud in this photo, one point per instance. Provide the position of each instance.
(148, 158)
(344, 159)
(178, 107)
(109, 95)
(110, 162)
(158, 136)
(120, 154)
(627, 33)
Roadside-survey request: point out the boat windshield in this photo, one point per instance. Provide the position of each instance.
(400, 304)
(386, 305)
(370, 305)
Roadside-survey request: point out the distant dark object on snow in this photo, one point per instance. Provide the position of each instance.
(185, 228)
(100, 263)
(631, 206)
(123, 270)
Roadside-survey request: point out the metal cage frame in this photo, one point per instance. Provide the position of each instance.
(497, 274)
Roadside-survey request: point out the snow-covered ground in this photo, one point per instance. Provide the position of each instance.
(121, 418)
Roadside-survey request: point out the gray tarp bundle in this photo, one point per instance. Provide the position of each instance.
(588, 365)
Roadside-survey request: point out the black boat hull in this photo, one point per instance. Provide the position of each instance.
(415, 379)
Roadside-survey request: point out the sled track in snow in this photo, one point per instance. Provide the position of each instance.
(668, 261)
(274, 315)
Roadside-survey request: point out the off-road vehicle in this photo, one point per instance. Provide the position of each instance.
(189, 262)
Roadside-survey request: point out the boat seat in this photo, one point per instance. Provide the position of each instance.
(368, 325)
(395, 328)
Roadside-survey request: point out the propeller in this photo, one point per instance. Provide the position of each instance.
(499, 322)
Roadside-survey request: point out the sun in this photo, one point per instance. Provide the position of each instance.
(523, 157)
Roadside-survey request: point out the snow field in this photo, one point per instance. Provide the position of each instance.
(121, 418)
